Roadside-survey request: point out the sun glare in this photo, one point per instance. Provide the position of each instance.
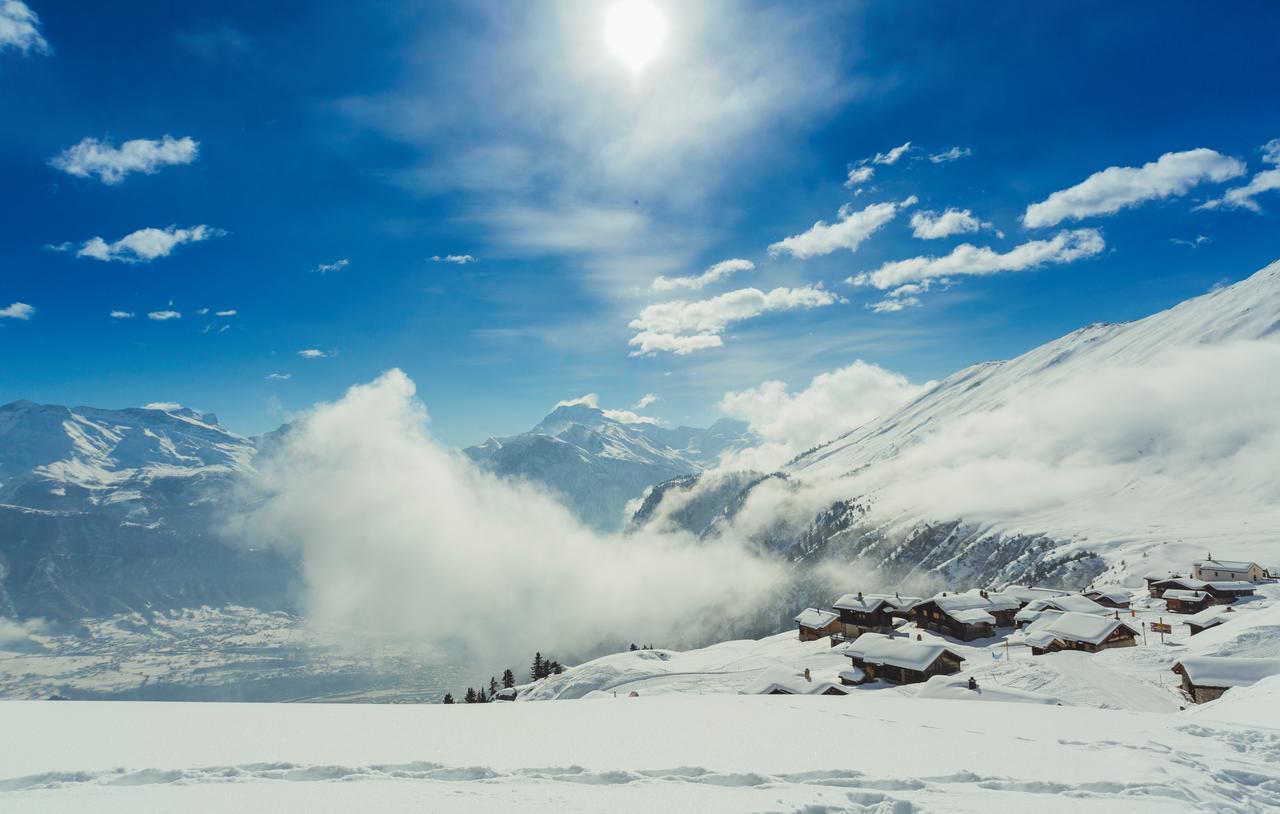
(634, 31)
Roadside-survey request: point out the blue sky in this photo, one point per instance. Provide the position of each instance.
(389, 133)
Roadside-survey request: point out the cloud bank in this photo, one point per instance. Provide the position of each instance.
(111, 164)
(1115, 188)
(400, 537)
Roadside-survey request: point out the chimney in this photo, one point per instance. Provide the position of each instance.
(859, 596)
(807, 677)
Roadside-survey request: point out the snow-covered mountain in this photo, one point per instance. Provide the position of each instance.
(596, 463)
(111, 510)
(1120, 447)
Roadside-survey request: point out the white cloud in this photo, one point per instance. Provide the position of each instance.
(849, 232)
(715, 273)
(592, 400)
(832, 404)
(683, 326)
(20, 28)
(644, 401)
(968, 260)
(314, 353)
(947, 156)
(112, 164)
(146, 245)
(122, 314)
(163, 406)
(17, 310)
(344, 492)
(931, 225)
(892, 304)
(457, 259)
(893, 155)
(279, 377)
(326, 268)
(859, 176)
(228, 313)
(1265, 181)
(1110, 190)
(1194, 243)
(164, 316)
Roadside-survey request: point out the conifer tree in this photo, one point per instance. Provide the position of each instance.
(480, 697)
(508, 679)
(448, 698)
(538, 667)
(470, 697)
(556, 668)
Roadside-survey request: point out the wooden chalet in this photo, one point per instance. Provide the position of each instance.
(1212, 570)
(1054, 631)
(1224, 592)
(897, 659)
(1067, 603)
(1178, 600)
(1205, 678)
(784, 681)
(1109, 597)
(966, 616)
(872, 613)
(1158, 588)
(817, 624)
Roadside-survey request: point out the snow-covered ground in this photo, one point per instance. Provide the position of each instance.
(872, 752)
(1110, 731)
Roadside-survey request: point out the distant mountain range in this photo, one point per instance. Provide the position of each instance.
(595, 463)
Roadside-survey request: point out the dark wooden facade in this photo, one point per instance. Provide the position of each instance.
(947, 663)
(1185, 605)
(1122, 636)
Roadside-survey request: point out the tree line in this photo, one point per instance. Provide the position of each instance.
(540, 669)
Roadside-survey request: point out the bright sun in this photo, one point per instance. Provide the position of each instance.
(634, 31)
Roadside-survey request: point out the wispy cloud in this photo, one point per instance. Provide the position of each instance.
(457, 259)
(969, 260)
(644, 401)
(20, 28)
(682, 327)
(848, 232)
(17, 310)
(315, 353)
(1194, 243)
(144, 245)
(164, 316)
(231, 312)
(279, 377)
(859, 175)
(715, 273)
(947, 156)
(1265, 181)
(122, 315)
(1115, 188)
(111, 164)
(892, 156)
(327, 268)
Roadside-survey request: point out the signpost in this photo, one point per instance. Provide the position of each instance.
(1161, 628)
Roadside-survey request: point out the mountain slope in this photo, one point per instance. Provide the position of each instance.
(1121, 447)
(595, 463)
(103, 511)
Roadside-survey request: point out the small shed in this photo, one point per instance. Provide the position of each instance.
(1178, 600)
(505, 694)
(900, 660)
(779, 680)
(816, 624)
(1205, 678)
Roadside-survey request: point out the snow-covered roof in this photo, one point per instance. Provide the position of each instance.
(1072, 626)
(1186, 596)
(786, 680)
(973, 616)
(1183, 582)
(1237, 585)
(1227, 671)
(853, 675)
(1114, 594)
(878, 648)
(1226, 565)
(868, 603)
(1069, 603)
(1024, 593)
(816, 619)
(957, 689)
(1210, 616)
(974, 599)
